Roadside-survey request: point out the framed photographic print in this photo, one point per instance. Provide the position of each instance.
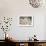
(26, 20)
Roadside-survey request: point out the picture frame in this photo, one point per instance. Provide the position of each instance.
(25, 21)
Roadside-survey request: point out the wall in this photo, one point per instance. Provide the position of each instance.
(14, 8)
(23, 33)
(45, 29)
(17, 7)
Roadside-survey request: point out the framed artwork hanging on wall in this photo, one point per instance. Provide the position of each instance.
(25, 20)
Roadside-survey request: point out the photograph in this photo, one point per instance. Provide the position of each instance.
(25, 20)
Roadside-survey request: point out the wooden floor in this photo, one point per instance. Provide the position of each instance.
(4, 43)
(33, 43)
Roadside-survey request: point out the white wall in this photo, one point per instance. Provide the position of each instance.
(17, 7)
(14, 8)
(23, 33)
(45, 28)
